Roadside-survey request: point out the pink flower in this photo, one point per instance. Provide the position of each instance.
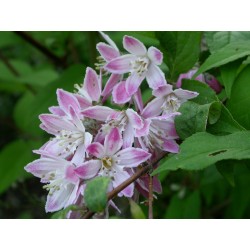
(170, 100)
(108, 52)
(213, 83)
(140, 63)
(189, 75)
(64, 184)
(113, 161)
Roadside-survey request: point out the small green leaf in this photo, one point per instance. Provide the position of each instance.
(181, 51)
(229, 53)
(96, 194)
(226, 169)
(63, 213)
(239, 102)
(136, 210)
(202, 150)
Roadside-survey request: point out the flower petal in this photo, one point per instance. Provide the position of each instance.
(58, 199)
(184, 95)
(66, 99)
(138, 100)
(119, 178)
(119, 93)
(155, 77)
(120, 65)
(132, 157)
(55, 110)
(155, 55)
(113, 79)
(133, 82)
(113, 142)
(83, 101)
(170, 146)
(163, 90)
(144, 130)
(134, 119)
(128, 136)
(109, 40)
(107, 51)
(153, 108)
(99, 113)
(88, 169)
(56, 123)
(92, 84)
(134, 46)
(96, 149)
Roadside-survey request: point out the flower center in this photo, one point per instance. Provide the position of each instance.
(140, 65)
(172, 103)
(107, 162)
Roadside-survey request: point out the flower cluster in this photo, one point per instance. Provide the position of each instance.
(90, 139)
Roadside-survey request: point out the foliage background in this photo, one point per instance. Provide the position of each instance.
(31, 69)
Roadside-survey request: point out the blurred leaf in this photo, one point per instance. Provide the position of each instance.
(182, 51)
(95, 194)
(13, 159)
(202, 150)
(226, 169)
(229, 53)
(8, 38)
(194, 118)
(136, 210)
(239, 102)
(219, 39)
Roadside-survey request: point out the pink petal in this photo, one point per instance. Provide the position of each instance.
(138, 100)
(119, 178)
(92, 85)
(113, 142)
(96, 149)
(55, 110)
(157, 185)
(133, 82)
(184, 95)
(128, 136)
(163, 90)
(56, 123)
(134, 46)
(88, 169)
(99, 113)
(155, 55)
(155, 77)
(132, 157)
(153, 108)
(83, 101)
(107, 51)
(120, 65)
(66, 99)
(112, 81)
(119, 94)
(59, 199)
(134, 119)
(76, 120)
(144, 130)
(170, 146)
(70, 175)
(109, 40)
(79, 155)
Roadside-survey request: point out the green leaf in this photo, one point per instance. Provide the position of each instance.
(202, 150)
(13, 159)
(136, 210)
(63, 213)
(181, 51)
(225, 124)
(95, 194)
(239, 102)
(206, 94)
(229, 53)
(194, 118)
(226, 169)
(228, 75)
(219, 39)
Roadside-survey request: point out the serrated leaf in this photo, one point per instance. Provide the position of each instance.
(95, 194)
(229, 53)
(203, 149)
(239, 102)
(194, 118)
(181, 51)
(136, 210)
